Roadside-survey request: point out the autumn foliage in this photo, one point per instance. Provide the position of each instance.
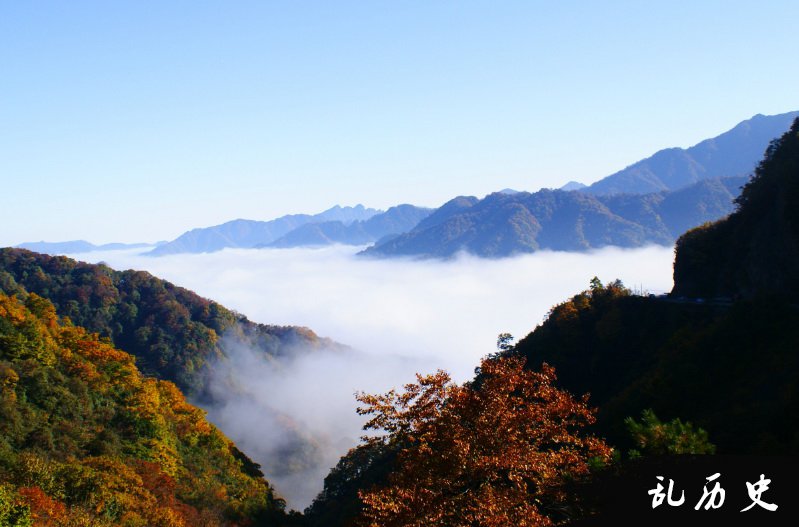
(495, 452)
(172, 332)
(87, 440)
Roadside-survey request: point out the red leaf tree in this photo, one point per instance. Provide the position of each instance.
(494, 452)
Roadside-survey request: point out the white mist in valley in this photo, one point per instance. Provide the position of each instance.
(398, 316)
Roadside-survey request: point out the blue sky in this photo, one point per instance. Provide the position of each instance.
(136, 121)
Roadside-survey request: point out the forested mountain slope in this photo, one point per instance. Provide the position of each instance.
(87, 440)
(756, 250)
(172, 331)
(507, 224)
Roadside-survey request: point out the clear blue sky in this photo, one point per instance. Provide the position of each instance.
(135, 121)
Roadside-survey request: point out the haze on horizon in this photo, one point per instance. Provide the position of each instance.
(132, 122)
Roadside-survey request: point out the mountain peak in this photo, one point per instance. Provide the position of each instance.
(573, 185)
(732, 153)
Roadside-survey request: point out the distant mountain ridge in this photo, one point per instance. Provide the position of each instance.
(733, 153)
(78, 246)
(395, 220)
(503, 225)
(651, 201)
(252, 233)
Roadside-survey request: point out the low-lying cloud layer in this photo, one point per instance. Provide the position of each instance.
(399, 316)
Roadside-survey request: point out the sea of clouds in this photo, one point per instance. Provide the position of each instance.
(398, 316)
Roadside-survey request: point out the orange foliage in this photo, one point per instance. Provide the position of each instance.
(83, 370)
(99, 352)
(163, 488)
(11, 310)
(492, 453)
(43, 309)
(45, 511)
(83, 396)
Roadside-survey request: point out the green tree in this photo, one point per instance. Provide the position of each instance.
(12, 512)
(654, 437)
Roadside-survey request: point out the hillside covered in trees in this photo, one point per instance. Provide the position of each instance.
(731, 369)
(505, 224)
(755, 251)
(87, 440)
(172, 332)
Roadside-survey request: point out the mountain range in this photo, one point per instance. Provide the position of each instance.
(395, 220)
(506, 224)
(651, 201)
(79, 246)
(733, 153)
(251, 233)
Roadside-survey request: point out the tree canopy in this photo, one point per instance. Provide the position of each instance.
(87, 440)
(494, 452)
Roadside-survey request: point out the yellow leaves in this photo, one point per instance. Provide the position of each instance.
(8, 377)
(187, 419)
(11, 309)
(43, 309)
(155, 453)
(145, 399)
(99, 352)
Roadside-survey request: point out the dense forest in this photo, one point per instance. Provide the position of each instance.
(87, 440)
(172, 332)
(730, 368)
(755, 252)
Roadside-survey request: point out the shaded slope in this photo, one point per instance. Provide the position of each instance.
(733, 371)
(756, 250)
(731, 367)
